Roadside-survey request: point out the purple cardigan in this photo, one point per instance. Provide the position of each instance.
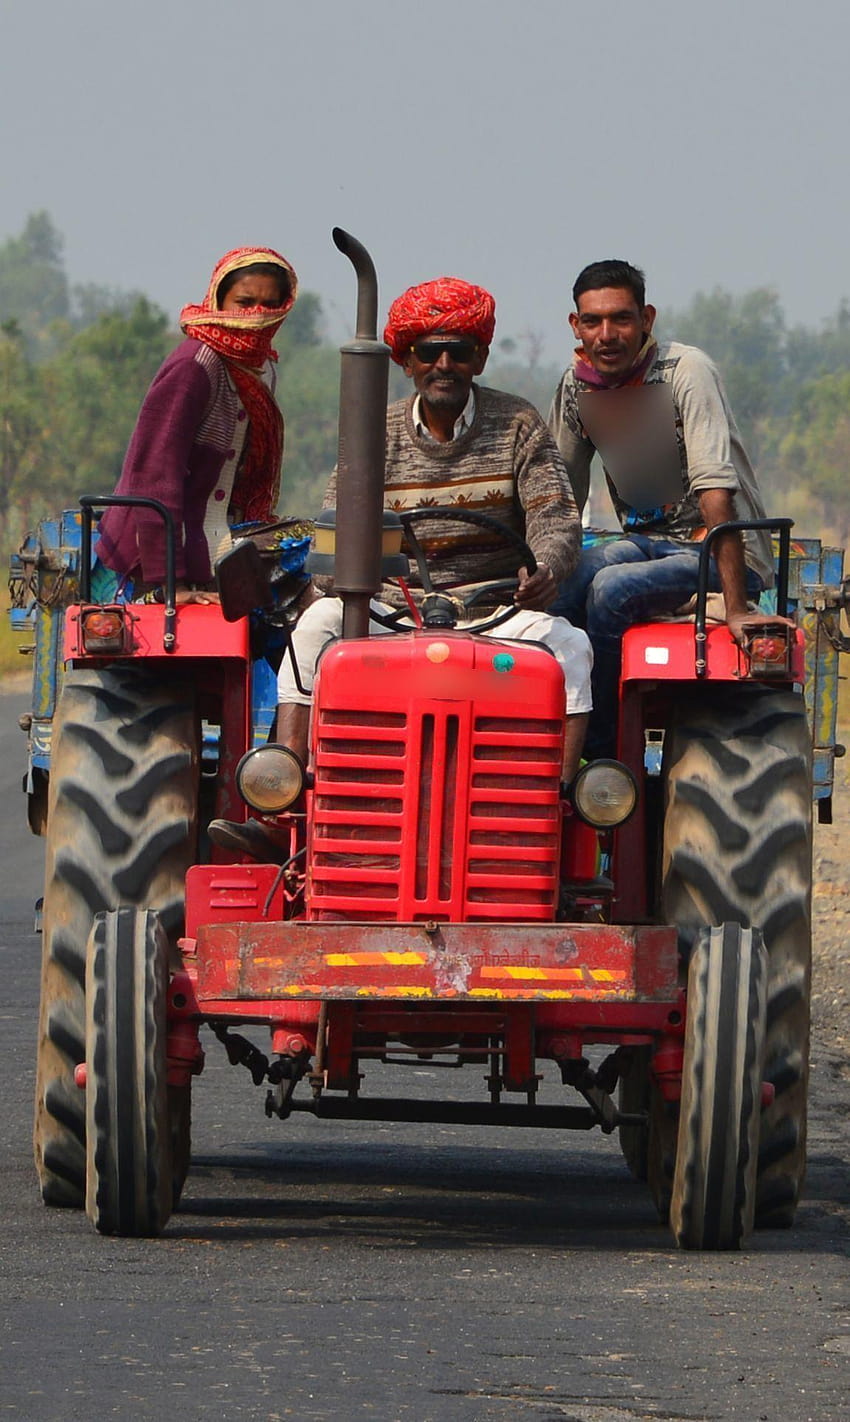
(184, 434)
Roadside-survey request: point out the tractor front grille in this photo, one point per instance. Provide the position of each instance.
(434, 809)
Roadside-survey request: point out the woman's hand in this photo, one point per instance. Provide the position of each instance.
(184, 596)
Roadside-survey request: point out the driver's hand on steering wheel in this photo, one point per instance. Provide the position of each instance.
(537, 592)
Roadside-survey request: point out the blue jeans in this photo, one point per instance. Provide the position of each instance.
(615, 585)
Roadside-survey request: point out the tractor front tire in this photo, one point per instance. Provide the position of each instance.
(738, 849)
(714, 1182)
(129, 1186)
(121, 830)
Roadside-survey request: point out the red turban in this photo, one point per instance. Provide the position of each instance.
(447, 304)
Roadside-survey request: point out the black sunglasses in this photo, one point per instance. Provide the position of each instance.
(429, 352)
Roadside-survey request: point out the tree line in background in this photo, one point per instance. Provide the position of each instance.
(75, 362)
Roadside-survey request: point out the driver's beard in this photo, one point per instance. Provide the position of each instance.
(454, 401)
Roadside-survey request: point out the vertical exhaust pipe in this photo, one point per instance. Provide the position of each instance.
(364, 373)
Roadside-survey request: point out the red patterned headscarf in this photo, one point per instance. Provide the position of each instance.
(447, 304)
(245, 336)
(244, 340)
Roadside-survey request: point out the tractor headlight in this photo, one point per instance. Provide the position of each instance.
(270, 779)
(604, 793)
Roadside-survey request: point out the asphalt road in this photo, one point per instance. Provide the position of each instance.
(397, 1273)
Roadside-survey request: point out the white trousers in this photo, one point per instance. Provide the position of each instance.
(322, 623)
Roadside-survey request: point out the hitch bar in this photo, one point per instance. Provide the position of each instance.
(461, 1113)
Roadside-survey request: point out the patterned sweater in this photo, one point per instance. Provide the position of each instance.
(506, 464)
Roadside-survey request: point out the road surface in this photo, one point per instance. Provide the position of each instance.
(399, 1273)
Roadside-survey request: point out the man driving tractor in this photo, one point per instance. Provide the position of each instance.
(451, 443)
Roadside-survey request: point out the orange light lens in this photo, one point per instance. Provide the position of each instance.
(105, 631)
(768, 649)
(103, 624)
(769, 653)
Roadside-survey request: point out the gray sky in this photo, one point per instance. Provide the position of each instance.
(503, 142)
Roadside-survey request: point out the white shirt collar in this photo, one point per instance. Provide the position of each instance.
(461, 424)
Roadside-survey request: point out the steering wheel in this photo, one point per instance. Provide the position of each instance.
(444, 597)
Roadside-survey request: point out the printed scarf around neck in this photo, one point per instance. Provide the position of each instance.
(589, 375)
(257, 482)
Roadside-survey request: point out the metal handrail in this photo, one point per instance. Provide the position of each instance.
(783, 527)
(90, 502)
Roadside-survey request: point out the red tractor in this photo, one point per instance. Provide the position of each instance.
(445, 897)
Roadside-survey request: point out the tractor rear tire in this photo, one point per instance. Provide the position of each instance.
(121, 830)
(714, 1182)
(738, 849)
(128, 1132)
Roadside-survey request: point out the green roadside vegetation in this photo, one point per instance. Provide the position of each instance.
(12, 663)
